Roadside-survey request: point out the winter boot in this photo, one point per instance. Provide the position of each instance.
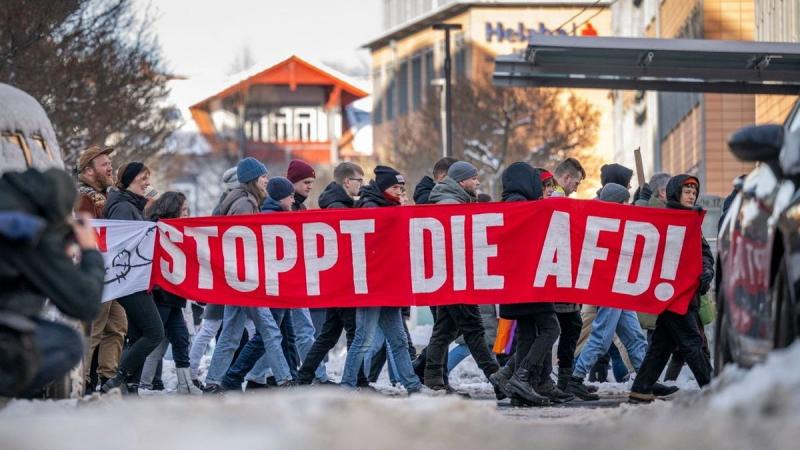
(638, 397)
(576, 386)
(185, 386)
(564, 376)
(520, 385)
(551, 391)
(198, 384)
(661, 390)
(213, 389)
(501, 378)
(158, 384)
(118, 381)
(499, 392)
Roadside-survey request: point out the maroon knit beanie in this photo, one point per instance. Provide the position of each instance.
(299, 170)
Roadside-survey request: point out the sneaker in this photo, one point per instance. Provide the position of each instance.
(198, 384)
(639, 398)
(580, 390)
(272, 381)
(662, 390)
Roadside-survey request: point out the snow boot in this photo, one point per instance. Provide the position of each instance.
(213, 389)
(499, 392)
(551, 391)
(662, 390)
(520, 385)
(576, 386)
(185, 386)
(118, 381)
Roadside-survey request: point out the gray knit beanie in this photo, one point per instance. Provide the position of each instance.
(613, 192)
(462, 170)
(229, 180)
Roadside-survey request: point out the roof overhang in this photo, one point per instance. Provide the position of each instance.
(682, 65)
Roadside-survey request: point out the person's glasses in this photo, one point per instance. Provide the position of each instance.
(359, 180)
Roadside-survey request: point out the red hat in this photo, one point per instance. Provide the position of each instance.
(545, 175)
(299, 170)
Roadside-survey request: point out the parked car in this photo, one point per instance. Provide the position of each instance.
(758, 257)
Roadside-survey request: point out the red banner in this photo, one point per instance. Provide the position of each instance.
(636, 258)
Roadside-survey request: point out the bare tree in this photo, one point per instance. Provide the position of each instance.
(496, 126)
(95, 68)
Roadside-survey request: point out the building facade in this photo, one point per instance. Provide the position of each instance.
(408, 59)
(688, 132)
(293, 109)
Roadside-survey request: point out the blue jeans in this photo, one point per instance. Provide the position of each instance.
(232, 327)
(390, 321)
(304, 338)
(456, 355)
(608, 322)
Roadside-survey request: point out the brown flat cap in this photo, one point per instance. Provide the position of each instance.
(91, 153)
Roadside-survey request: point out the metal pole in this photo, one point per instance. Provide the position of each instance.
(448, 96)
(448, 128)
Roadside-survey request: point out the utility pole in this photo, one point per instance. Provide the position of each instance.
(448, 98)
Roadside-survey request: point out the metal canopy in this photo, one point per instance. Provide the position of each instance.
(683, 65)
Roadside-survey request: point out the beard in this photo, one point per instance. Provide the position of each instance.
(104, 181)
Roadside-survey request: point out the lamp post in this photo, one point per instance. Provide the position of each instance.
(448, 98)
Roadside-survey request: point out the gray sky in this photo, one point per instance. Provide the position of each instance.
(204, 37)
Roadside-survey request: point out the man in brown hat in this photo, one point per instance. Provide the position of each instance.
(95, 176)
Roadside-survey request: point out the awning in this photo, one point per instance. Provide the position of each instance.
(683, 65)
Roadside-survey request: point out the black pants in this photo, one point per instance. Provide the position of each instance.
(288, 344)
(177, 333)
(145, 330)
(570, 324)
(452, 320)
(676, 362)
(679, 333)
(336, 321)
(536, 335)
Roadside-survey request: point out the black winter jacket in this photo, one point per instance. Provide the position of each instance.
(35, 269)
(423, 190)
(334, 196)
(124, 205)
(521, 182)
(371, 196)
(674, 187)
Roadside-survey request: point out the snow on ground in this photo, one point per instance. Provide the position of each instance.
(759, 408)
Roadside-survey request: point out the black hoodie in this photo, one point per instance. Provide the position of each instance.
(31, 271)
(124, 205)
(298, 204)
(334, 196)
(615, 173)
(371, 196)
(674, 187)
(521, 182)
(423, 190)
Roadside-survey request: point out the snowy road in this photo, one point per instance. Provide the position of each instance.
(757, 409)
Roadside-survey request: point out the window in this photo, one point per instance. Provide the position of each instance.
(416, 82)
(430, 70)
(460, 56)
(402, 91)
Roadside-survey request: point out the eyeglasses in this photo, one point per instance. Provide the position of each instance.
(360, 180)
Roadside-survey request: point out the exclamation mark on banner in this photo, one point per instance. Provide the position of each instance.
(669, 264)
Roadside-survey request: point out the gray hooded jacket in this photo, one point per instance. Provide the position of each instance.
(448, 191)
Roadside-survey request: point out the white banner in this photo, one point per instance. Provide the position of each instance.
(127, 248)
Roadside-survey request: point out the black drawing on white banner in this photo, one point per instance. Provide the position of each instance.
(123, 262)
